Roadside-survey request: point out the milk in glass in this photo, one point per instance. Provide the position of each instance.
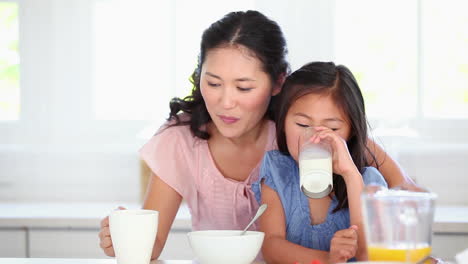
(315, 169)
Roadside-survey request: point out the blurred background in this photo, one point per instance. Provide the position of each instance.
(84, 83)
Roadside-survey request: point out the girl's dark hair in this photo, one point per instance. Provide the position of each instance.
(251, 29)
(340, 84)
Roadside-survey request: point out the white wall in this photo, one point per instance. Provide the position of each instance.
(43, 173)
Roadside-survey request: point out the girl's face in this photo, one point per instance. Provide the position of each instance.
(236, 90)
(313, 110)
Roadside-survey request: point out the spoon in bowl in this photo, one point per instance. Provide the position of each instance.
(260, 211)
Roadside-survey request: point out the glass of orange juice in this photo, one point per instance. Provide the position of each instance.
(398, 224)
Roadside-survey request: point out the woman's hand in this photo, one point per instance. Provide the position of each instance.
(105, 237)
(343, 245)
(342, 162)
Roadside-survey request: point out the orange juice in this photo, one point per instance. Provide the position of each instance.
(398, 253)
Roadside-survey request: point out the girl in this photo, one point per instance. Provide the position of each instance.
(327, 98)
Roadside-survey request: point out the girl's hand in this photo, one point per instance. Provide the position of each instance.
(342, 162)
(343, 245)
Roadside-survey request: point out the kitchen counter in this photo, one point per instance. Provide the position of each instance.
(80, 261)
(69, 230)
(447, 219)
(70, 215)
(451, 219)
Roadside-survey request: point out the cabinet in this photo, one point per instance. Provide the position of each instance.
(64, 231)
(74, 243)
(63, 243)
(177, 246)
(447, 245)
(13, 243)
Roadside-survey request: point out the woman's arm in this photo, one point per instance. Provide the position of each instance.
(164, 199)
(393, 174)
(275, 248)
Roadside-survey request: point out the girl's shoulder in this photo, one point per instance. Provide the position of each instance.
(371, 175)
(278, 168)
(279, 172)
(275, 158)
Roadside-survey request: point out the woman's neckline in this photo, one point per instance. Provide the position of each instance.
(267, 146)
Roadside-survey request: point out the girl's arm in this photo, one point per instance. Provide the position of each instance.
(275, 248)
(343, 165)
(393, 174)
(164, 199)
(354, 187)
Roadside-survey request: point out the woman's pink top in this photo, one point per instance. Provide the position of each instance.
(184, 162)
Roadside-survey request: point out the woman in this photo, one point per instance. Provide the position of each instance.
(209, 154)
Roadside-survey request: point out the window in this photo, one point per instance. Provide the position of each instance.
(133, 59)
(444, 62)
(9, 62)
(144, 60)
(410, 57)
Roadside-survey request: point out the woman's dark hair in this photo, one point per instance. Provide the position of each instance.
(251, 29)
(338, 82)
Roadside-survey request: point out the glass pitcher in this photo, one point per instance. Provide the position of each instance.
(398, 224)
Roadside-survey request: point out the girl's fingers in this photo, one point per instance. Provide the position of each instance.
(349, 233)
(312, 138)
(341, 241)
(345, 254)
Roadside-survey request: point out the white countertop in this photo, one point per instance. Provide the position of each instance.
(451, 219)
(80, 261)
(448, 219)
(85, 261)
(70, 215)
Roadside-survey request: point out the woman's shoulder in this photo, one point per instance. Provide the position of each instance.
(171, 129)
(172, 136)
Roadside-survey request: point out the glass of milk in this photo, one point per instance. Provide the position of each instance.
(315, 166)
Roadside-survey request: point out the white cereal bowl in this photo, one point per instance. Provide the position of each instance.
(225, 246)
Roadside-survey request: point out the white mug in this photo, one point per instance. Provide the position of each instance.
(133, 233)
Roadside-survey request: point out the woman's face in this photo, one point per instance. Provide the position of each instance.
(236, 90)
(313, 110)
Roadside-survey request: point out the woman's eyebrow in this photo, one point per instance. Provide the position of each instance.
(213, 75)
(242, 79)
(245, 79)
